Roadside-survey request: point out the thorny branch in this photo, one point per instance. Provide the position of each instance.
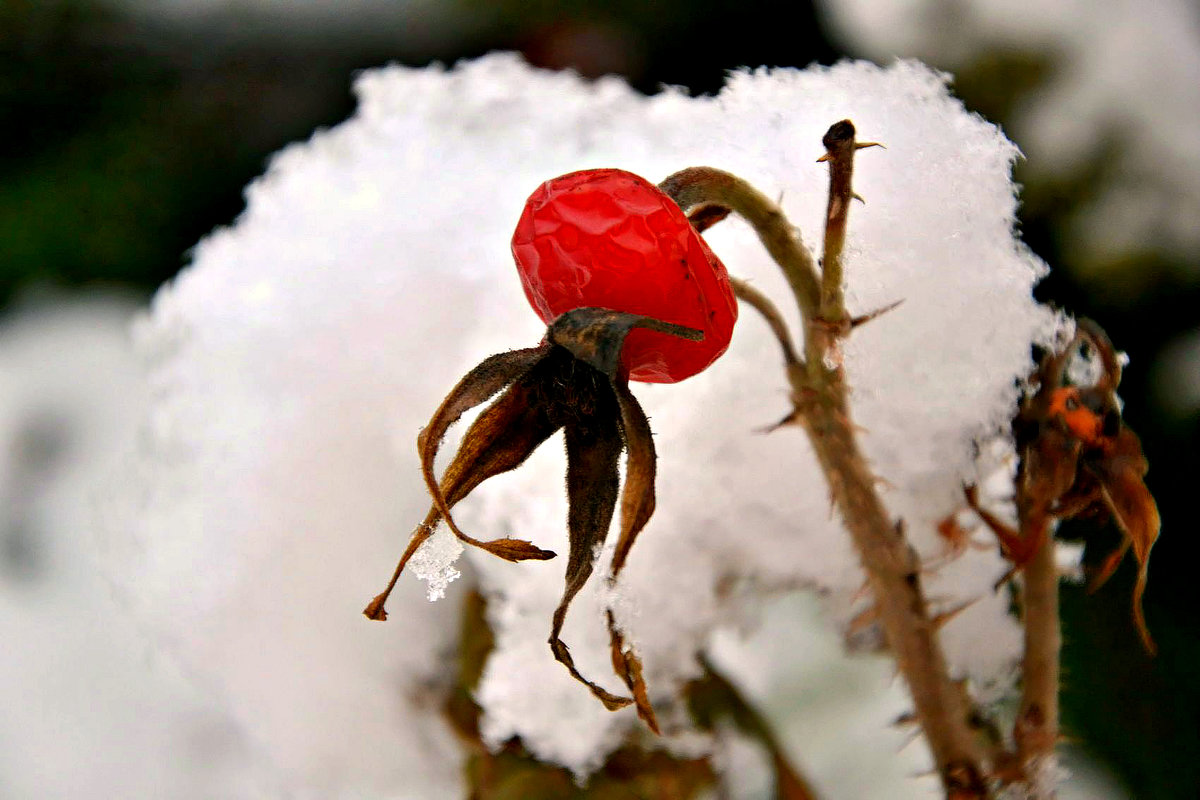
(821, 407)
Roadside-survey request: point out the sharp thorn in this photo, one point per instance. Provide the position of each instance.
(861, 592)
(863, 620)
(941, 620)
(865, 318)
(793, 418)
(1005, 578)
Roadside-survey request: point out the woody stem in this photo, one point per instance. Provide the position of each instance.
(820, 397)
(1036, 729)
(893, 572)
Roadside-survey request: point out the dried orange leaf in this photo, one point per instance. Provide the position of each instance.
(1135, 512)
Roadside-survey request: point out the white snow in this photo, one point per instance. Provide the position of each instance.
(90, 710)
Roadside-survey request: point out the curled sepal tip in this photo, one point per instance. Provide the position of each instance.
(517, 550)
(628, 667)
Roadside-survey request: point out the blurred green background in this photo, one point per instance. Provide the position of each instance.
(129, 129)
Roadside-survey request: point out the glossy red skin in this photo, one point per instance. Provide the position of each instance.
(611, 239)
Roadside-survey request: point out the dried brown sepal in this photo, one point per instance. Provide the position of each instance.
(517, 550)
(475, 388)
(637, 506)
(375, 609)
(593, 455)
(614, 422)
(595, 336)
(484, 451)
(562, 654)
(637, 496)
(573, 381)
(499, 440)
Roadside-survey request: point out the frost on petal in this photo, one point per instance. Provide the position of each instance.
(372, 267)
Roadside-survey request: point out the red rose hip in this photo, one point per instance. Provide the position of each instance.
(610, 239)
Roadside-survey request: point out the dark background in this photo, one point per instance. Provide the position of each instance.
(125, 137)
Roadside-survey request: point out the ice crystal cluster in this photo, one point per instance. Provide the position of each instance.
(293, 363)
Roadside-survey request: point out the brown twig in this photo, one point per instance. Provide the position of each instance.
(820, 396)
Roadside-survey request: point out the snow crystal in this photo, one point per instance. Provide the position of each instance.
(434, 563)
(296, 359)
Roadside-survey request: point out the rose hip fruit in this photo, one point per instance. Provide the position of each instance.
(610, 239)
